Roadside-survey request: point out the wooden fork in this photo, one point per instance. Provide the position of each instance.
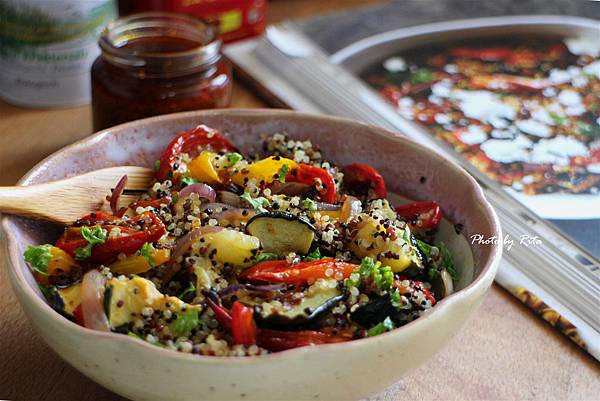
(66, 200)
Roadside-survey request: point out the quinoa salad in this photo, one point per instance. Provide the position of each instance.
(524, 111)
(233, 254)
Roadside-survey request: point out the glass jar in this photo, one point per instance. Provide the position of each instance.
(158, 63)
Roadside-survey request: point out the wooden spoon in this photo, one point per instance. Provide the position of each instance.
(66, 200)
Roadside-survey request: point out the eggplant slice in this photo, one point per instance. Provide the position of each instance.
(282, 314)
(282, 233)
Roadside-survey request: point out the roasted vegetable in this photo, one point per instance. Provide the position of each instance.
(374, 311)
(275, 340)
(230, 246)
(362, 179)
(316, 177)
(52, 266)
(243, 329)
(420, 215)
(391, 245)
(280, 271)
(147, 259)
(265, 171)
(190, 142)
(203, 168)
(443, 284)
(282, 233)
(103, 242)
(315, 301)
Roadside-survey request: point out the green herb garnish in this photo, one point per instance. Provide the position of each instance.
(93, 236)
(233, 159)
(424, 248)
(258, 203)
(184, 323)
(156, 165)
(283, 171)
(314, 255)
(560, 120)
(447, 260)
(589, 130)
(264, 256)
(190, 290)
(309, 204)
(147, 251)
(421, 76)
(185, 181)
(396, 299)
(381, 327)
(38, 257)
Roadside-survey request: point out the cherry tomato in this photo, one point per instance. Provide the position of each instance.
(192, 142)
(243, 329)
(420, 215)
(361, 178)
(307, 174)
(280, 271)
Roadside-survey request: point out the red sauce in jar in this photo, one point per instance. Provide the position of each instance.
(158, 63)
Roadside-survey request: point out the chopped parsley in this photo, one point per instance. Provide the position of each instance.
(185, 322)
(147, 251)
(396, 299)
(381, 275)
(421, 76)
(314, 255)
(156, 165)
(283, 171)
(233, 159)
(309, 204)
(381, 327)
(258, 203)
(185, 181)
(93, 236)
(447, 260)
(264, 256)
(190, 290)
(38, 257)
(560, 120)
(589, 130)
(424, 248)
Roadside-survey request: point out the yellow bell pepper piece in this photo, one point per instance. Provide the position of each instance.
(264, 170)
(135, 264)
(203, 168)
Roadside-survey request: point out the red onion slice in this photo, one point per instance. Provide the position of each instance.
(230, 198)
(203, 191)
(92, 301)
(116, 194)
(350, 208)
(184, 244)
(232, 289)
(327, 207)
(290, 188)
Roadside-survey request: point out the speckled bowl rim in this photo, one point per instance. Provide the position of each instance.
(487, 267)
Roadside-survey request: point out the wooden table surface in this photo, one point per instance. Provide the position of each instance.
(505, 352)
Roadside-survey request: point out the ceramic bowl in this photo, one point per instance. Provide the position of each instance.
(346, 371)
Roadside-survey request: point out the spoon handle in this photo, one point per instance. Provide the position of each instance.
(36, 201)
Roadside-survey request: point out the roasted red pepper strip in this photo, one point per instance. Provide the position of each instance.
(275, 340)
(420, 215)
(243, 329)
(129, 242)
(191, 142)
(95, 218)
(155, 203)
(280, 271)
(360, 178)
(221, 314)
(487, 53)
(307, 174)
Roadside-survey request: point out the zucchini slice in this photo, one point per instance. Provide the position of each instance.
(277, 313)
(281, 232)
